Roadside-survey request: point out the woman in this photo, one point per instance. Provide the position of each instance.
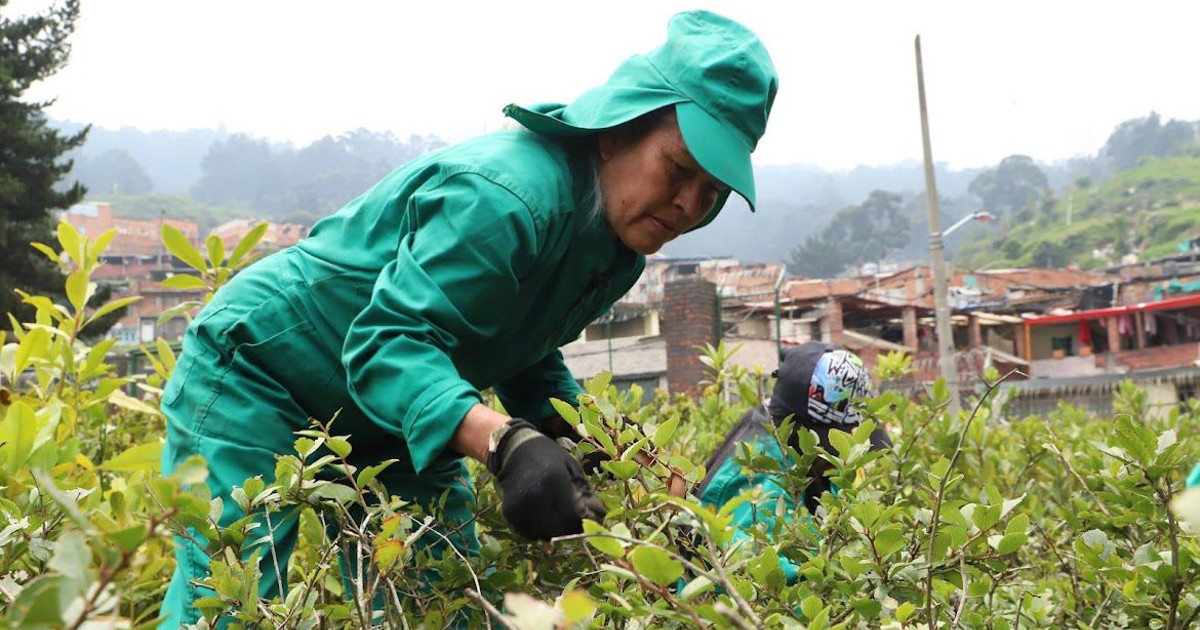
(463, 270)
(818, 385)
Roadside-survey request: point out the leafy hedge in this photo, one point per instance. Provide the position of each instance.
(969, 521)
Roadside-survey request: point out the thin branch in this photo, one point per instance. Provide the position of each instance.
(732, 616)
(962, 602)
(491, 610)
(935, 520)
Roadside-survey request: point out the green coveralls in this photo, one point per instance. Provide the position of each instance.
(464, 269)
(727, 479)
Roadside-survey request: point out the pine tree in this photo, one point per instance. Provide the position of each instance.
(31, 153)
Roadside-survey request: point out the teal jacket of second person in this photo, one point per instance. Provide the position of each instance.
(727, 479)
(462, 270)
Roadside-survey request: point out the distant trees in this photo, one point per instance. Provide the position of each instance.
(855, 234)
(1016, 183)
(301, 185)
(1138, 138)
(114, 172)
(31, 153)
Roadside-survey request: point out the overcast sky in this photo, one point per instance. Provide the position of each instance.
(1047, 78)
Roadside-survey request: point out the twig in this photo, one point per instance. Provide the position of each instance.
(1100, 609)
(663, 593)
(1173, 533)
(962, 602)
(732, 616)
(1066, 462)
(937, 503)
(490, 609)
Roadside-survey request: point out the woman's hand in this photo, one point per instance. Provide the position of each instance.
(542, 487)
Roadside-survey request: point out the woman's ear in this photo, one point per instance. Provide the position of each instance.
(608, 139)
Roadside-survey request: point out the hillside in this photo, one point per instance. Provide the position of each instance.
(1145, 211)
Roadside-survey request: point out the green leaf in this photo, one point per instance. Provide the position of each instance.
(147, 457)
(50, 253)
(598, 384)
(127, 539)
(77, 289)
(576, 606)
(165, 354)
(72, 558)
(100, 244)
(621, 469)
(68, 237)
(889, 541)
(371, 472)
(388, 553)
(904, 611)
(598, 538)
(121, 399)
(36, 343)
(985, 516)
(840, 440)
(177, 310)
(1018, 525)
(867, 608)
(247, 243)
(17, 435)
(179, 246)
(656, 565)
(811, 606)
(564, 409)
(1011, 542)
(696, 587)
(335, 492)
(941, 391)
(665, 431)
(216, 250)
(112, 306)
(184, 282)
(340, 446)
(42, 602)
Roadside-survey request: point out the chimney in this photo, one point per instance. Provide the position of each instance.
(691, 320)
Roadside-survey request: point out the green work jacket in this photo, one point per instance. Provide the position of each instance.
(462, 270)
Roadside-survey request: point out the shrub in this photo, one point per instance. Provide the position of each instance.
(971, 521)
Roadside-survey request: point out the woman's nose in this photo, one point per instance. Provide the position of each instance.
(691, 198)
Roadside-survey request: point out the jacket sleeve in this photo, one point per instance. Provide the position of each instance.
(528, 394)
(455, 273)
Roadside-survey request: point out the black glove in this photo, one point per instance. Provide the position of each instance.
(542, 487)
(560, 429)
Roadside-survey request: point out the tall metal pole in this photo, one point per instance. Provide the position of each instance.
(937, 258)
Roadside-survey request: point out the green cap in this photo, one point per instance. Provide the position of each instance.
(715, 72)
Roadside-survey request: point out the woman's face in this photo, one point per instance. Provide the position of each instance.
(653, 189)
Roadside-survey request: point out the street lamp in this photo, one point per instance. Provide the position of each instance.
(937, 259)
(983, 216)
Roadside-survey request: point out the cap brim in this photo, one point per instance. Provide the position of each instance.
(718, 150)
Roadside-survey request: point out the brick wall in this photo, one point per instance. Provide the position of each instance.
(1158, 357)
(690, 305)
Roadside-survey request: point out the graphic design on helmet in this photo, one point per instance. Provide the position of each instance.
(838, 378)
